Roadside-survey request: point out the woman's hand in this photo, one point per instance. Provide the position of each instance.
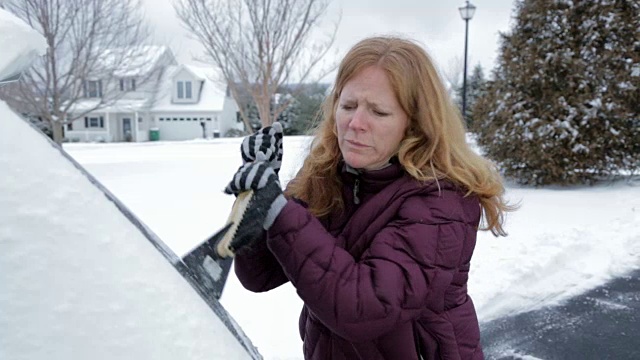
(267, 141)
(267, 200)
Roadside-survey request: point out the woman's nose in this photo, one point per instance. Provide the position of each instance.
(359, 120)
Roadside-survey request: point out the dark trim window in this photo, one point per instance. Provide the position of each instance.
(128, 84)
(93, 88)
(161, 119)
(93, 122)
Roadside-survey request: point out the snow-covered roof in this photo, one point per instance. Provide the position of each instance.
(121, 105)
(211, 98)
(200, 72)
(133, 61)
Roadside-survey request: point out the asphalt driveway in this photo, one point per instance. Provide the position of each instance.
(601, 324)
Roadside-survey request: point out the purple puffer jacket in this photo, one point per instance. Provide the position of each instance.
(386, 279)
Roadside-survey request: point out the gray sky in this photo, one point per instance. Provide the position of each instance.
(434, 23)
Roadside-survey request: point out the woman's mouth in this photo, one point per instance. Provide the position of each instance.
(356, 144)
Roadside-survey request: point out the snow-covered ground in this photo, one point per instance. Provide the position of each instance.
(562, 241)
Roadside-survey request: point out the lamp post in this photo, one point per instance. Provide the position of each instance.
(466, 12)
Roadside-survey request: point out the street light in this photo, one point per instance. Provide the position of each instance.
(466, 12)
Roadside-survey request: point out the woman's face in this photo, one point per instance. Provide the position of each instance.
(370, 122)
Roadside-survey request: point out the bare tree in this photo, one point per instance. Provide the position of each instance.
(87, 40)
(452, 74)
(261, 46)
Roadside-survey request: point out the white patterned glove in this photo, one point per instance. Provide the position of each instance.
(267, 141)
(267, 200)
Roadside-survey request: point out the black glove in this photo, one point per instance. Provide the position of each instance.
(267, 200)
(267, 141)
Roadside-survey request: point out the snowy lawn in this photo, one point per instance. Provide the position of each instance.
(562, 241)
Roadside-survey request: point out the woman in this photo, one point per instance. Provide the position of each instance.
(377, 230)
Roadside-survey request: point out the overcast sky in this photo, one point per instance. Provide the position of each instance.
(434, 23)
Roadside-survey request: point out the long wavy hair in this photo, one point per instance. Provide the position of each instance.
(434, 146)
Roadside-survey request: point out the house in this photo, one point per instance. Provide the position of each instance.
(154, 98)
(191, 102)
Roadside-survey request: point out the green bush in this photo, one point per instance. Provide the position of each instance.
(563, 105)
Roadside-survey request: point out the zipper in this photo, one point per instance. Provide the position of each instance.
(356, 188)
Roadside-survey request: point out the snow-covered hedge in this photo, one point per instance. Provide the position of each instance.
(564, 104)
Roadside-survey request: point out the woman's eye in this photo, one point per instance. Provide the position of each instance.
(347, 107)
(380, 113)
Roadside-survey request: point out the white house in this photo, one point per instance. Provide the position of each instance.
(159, 99)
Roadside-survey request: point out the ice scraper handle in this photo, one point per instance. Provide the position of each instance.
(226, 237)
(260, 200)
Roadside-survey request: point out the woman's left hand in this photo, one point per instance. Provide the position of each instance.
(268, 199)
(268, 141)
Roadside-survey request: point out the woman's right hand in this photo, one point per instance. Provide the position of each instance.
(268, 141)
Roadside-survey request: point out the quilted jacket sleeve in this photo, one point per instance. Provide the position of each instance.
(257, 268)
(407, 268)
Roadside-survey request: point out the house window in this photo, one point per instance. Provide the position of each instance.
(93, 88)
(175, 119)
(161, 119)
(208, 119)
(94, 122)
(70, 126)
(188, 119)
(128, 84)
(181, 119)
(140, 119)
(180, 90)
(188, 88)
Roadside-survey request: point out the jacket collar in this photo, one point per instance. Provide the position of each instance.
(374, 180)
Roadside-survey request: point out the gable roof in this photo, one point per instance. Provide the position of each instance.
(212, 93)
(134, 61)
(199, 73)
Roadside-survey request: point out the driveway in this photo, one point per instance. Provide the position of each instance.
(601, 324)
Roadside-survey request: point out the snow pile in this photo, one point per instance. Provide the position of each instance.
(20, 45)
(561, 243)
